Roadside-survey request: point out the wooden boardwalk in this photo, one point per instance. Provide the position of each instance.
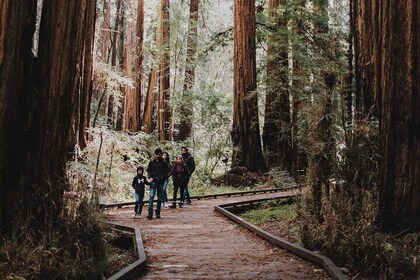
(195, 242)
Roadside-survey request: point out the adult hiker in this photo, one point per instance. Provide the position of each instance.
(158, 170)
(190, 163)
(180, 175)
(167, 159)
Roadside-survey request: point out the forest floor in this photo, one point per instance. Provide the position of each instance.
(196, 242)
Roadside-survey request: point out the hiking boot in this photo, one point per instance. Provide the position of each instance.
(157, 214)
(181, 205)
(189, 202)
(173, 205)
(150, 214)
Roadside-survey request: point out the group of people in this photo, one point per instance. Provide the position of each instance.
(159, 171)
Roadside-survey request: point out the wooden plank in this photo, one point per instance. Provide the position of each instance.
(304, 253)
(198, 197)
(135, 269)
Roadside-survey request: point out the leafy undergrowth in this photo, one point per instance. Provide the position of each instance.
(349, 236)
(240, 177)
(277, 218)
(360, 249)
(74, 249)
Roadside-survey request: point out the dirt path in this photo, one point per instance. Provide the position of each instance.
(195, 242)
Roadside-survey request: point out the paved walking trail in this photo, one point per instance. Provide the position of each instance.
(196, 242)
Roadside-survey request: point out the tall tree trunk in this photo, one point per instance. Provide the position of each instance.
(106, 32)
(397, 89)
(56, 78)
(17, 27)
(364, 46)
(247, 151)
(277, 124)
(87, 85)
(150, 101)
(110, 113)
(132, 116)
(149, 106)
(105, 47)
(299, 156)
(186, 108)
(164, 112)
(348, 80)
(135, 125)
(122, 57)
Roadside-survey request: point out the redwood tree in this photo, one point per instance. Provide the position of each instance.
(16, 31)
(43, 102)
(246, 140)
(87, 83)
(365, 20)
(189, 80)
(397, 90)
(164, 112)
(277, 123)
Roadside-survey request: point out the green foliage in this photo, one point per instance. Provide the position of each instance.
(72, 249)
(270, 212)
(350, 238)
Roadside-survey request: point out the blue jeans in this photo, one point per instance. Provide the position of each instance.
(165, 193)
(186, 192)
(155, 188)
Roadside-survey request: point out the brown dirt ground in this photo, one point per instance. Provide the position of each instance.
(196, 242)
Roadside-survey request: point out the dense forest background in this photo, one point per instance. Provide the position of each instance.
(322, 92)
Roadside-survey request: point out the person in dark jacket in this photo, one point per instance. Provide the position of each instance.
(190, 163)
(158, 170)
(138, 185)
(166, 158)
(180, 175)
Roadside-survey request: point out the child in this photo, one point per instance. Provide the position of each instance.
(138, 184)
(180, 176)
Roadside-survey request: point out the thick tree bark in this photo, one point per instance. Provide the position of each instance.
(397, 89)
(17, 26)
(110, 112)
(164, 112)
(106, 32)
(87, 84)
(105, 48)
(132, 115)
(277, 124)
(365, 52)
(189, 80)
(56, 78)
(150, 101)
(135, 97)
(247, 151)
(122, 57)
(149, 106)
